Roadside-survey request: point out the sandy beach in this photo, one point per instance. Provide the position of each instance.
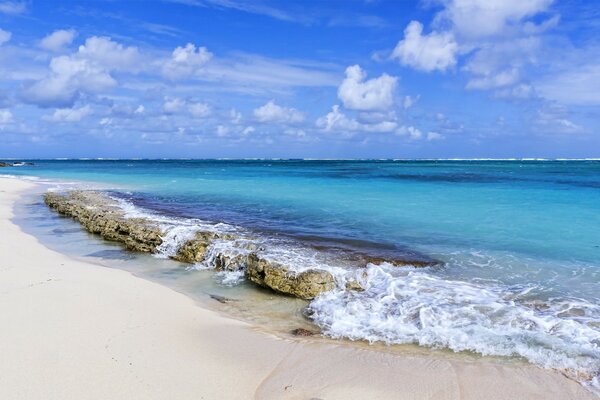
(75, 330)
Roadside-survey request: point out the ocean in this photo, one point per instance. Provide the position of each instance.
(517, 243)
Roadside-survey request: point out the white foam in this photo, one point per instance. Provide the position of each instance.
(411, 306)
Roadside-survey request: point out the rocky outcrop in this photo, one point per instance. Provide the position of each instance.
(101, 215)
(3, 164)
(194, 251)
(231, 263)
(306, 284)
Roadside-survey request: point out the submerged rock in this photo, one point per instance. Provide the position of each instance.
(354, 286)
(231, 263)
(306, 284)
(302, 332)
(221, 299)
(194, 250)
(401, 262)
(100, 214)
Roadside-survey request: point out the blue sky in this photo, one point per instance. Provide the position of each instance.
(332, 79)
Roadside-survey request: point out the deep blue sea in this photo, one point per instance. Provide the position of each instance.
(518, 242)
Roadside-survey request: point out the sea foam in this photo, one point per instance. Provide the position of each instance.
(401, 306)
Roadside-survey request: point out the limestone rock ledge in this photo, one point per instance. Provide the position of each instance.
(102, 215)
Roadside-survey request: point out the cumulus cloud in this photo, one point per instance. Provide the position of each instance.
(273, 113)
(86, 71)
(67, 78)
(337, 121)
(185, 61)
(13, 7)
(359, 94)
(4, 36)
(58, 40)
(435, 51)
(174, 105)
(69, 114)
(199, 110)
(127, 110)
(108, 54)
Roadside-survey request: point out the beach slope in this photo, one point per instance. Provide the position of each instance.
(74, 330)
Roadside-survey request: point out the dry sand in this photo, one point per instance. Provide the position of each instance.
(74, 330)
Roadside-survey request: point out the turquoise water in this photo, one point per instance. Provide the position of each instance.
(519, 242)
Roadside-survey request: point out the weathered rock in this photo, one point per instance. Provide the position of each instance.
(355, 286)
(302, 332)
(306, 284)
(229, 263)
(194, 251)
(3, 164)
(100, 214)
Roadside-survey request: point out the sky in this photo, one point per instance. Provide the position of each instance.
(300, 79)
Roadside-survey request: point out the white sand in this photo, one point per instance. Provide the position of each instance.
(74, 330)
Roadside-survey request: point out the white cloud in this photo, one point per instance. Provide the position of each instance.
(521, 91)
(185, 61)
(86, 71)
(199, 110)
(554, 119)
(222, 130)
(435, 51)
(359, 94)
(4, 36)
(69, 114)
(67, 78)
(500, 79)
(499, 64)
(6, 117)
(106, 53)
(410, 131)
(140, 109)
(248, 130)
(337, 121)
(235, 116)
(410, 101)
(274, 113)
(434, 136)
(57, 40)
(13, 7)
(475, 19)
(173, 105)
(579, 84)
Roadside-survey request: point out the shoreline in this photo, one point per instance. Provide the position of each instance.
(79, 330)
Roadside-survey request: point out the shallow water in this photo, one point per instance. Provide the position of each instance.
(519, 242)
